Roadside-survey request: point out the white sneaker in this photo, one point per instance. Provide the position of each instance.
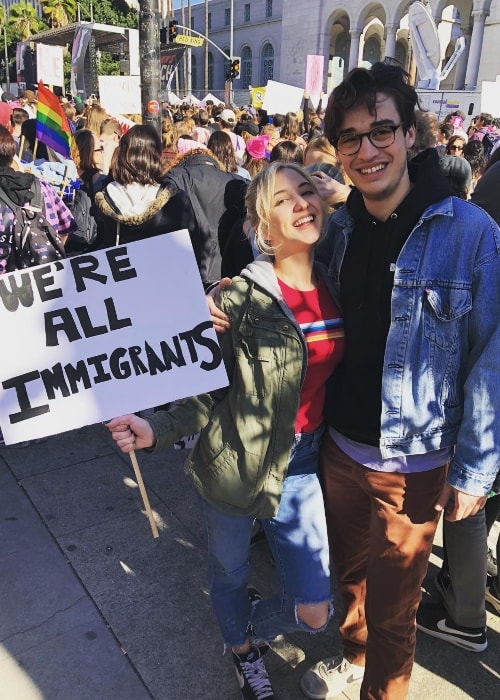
(330, 677)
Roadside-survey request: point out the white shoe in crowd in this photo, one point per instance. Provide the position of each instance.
(330, 677)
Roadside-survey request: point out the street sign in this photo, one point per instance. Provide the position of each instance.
(189, 40)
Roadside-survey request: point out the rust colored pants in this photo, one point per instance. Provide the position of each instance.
(381, 527)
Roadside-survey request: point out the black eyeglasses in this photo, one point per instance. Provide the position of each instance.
(381, 136)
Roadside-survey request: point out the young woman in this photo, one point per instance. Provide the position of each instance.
(455, 146)
(257, 454)
(137, 204)
(87, 153)
(291, 129)
(221, 146)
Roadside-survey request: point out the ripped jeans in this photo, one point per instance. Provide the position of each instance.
(298, 539)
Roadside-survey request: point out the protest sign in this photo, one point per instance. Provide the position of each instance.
(104, 334)
(120, 94)
(50, 64)
(281, 98)
(490, 97)
(170, 57)
(257, 96)
(314, 77)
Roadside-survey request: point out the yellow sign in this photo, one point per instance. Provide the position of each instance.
(189, 40)
(258, 95)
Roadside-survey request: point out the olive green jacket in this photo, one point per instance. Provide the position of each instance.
(247, 429)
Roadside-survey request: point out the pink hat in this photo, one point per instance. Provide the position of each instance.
(5, 112)
(256, 147)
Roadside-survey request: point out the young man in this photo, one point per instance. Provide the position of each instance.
(417, 275)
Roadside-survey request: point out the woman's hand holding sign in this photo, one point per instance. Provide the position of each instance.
(131, 432)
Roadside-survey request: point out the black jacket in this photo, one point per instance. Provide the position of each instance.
(486, 193)
(170, 211)
(202, 177)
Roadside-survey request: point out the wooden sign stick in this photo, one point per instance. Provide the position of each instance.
(144, 495)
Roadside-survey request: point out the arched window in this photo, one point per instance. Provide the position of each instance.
(343, 46)
(246, 66)
(401, 54)
(210, 71)
(371, 50)
(267, 63)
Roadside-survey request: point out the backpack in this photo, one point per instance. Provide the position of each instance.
(489, 141)
(32, 240)
(82, 208)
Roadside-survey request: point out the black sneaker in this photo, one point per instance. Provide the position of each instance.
(254, 596)
(252, 675)
(441, 582)
(435, 621)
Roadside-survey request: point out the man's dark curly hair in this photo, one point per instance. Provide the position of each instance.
(361, 86)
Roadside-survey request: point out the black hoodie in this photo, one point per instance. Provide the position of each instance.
(366, 281)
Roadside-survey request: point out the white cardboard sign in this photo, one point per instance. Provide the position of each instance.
(120, 94)
(281, 98)
(104, 334)
(50, 64)
(490, 97)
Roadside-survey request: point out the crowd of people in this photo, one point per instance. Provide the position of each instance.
(360, 338)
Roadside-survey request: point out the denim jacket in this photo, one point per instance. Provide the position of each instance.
(247, 430)
(441, 374)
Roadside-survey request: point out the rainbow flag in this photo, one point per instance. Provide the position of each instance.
(52, 126)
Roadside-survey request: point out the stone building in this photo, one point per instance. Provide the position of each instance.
(273, 38)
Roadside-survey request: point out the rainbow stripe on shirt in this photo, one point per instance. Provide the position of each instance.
(328, 329)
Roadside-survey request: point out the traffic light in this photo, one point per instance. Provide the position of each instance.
(235, 68)
(172, 30)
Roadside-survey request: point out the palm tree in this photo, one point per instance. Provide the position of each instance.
(24, 20)
(59, 12)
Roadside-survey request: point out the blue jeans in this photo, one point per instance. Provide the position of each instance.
(298, 539)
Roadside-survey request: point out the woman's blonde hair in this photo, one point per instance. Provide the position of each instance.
(259, 200)
(323, 145)
(95, 117)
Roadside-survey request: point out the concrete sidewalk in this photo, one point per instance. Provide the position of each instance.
(93, 608)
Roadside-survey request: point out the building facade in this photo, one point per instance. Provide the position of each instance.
(274, 37)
